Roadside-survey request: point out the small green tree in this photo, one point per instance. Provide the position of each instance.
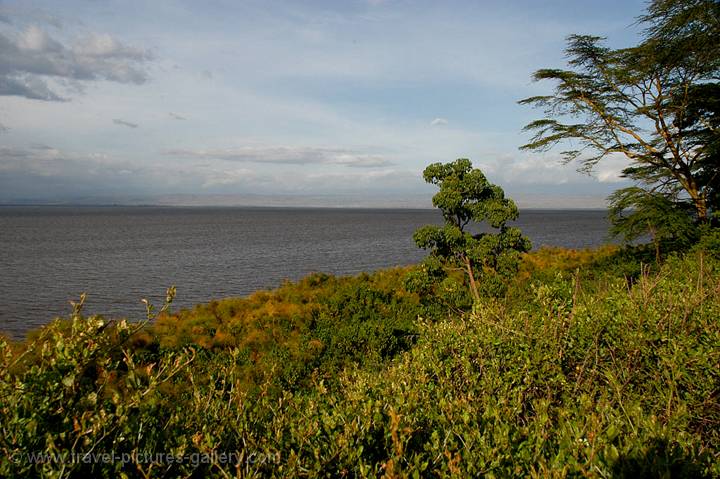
(466, 196)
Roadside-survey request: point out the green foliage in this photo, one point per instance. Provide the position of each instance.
(580, 379)
(656, 103)
(467, 196)
(709, 241)
(635, 212)
(579, 374)
(78, 389)
(301, 330)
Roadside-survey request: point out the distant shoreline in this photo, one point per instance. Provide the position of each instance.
(259, 207)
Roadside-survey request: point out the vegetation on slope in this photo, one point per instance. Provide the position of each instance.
(315, 326)
(579, 371)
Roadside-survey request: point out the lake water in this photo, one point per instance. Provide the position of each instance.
(118, 255)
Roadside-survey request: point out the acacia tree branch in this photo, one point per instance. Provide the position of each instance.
(611, 125)
(682, 173)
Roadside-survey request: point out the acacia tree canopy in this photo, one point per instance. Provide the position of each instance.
(655, 103)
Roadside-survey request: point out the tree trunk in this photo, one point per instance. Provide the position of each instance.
(473, 285)
(700, 203)
(701, 207)
(656, 242)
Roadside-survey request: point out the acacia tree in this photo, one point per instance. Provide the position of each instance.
(655, 103)
(467, 197)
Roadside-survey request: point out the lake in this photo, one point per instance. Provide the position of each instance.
(118, 255)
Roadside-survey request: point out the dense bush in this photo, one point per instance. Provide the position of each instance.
(317, 325)
(589, 375)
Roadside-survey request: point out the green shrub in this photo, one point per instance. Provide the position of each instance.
(587, 376)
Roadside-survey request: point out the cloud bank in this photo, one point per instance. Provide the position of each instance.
(35, 65)
(287, 155)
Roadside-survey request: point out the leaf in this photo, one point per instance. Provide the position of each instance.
(69, 381)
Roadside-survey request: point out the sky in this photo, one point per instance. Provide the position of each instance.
(300, 103)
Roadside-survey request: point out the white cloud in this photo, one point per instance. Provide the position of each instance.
(47, 161)
(226, 177)
(34, 65)
(34, 39)
(30, 170)
(609, 170)
(438, 122)
(102, 45)
(289, 155)
(361, 176)
(532, 169)
(27, 86)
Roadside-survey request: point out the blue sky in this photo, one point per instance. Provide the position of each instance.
(338, 103)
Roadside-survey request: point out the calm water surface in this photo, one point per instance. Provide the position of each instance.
(118, 255)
